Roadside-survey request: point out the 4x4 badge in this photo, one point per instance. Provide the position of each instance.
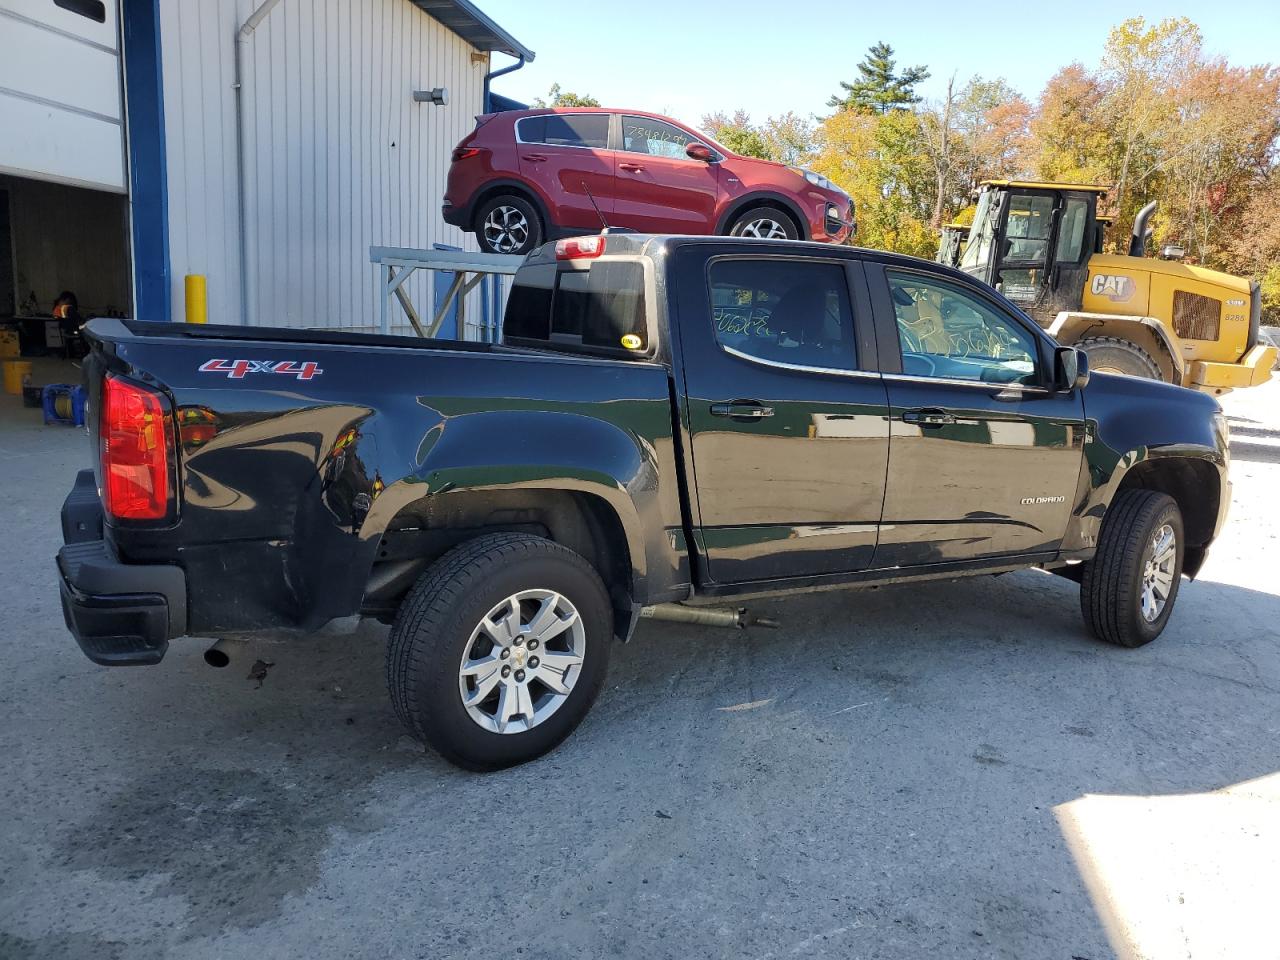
(239, 369)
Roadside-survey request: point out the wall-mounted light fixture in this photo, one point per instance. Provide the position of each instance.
(437, 95)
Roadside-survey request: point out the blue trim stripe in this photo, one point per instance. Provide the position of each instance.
(148, 182)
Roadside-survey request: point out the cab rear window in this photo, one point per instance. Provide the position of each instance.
(599, 310)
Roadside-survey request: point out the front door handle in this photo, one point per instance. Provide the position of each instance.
(633, 167)
(929, 417)
(741, 410)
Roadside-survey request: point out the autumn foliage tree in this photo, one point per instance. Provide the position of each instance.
(1154, 118)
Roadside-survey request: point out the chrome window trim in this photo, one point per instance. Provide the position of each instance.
(798, 367)
(563, 146)
(956, 382)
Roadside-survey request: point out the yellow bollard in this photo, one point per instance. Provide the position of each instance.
(197, 299)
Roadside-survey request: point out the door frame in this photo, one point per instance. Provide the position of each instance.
(692, 286)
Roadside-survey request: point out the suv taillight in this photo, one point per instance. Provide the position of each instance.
(136, 435)
(465, 153)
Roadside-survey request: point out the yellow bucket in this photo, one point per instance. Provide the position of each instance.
(14, 371)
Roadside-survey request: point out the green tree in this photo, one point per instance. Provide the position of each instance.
(879, 89)
(880, 160)
(738, 134)
(558, 98)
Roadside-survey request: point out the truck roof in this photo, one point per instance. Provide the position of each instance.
(649, 244)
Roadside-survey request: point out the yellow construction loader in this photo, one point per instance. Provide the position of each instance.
(1040, 244)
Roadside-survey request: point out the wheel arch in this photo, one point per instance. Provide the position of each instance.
(581, 482)
(1145, 332)
(764, 199)
(521, 188)
(425, 529)
(1195, 485)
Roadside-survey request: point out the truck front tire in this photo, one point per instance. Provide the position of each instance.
(1128, 589)
(499, 650)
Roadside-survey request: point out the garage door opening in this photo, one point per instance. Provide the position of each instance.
(64, 257)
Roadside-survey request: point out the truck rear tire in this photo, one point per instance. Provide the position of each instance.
(1113, 355)
(1128, 589)
(499, 650)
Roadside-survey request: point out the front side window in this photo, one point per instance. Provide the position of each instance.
(784, 311)
(566, 130)
(950, 333)
(655, 138)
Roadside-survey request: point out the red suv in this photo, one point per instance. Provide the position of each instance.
(527, 176)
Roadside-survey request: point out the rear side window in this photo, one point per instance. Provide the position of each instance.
(600, 310)
(566, 130)
(784, 311)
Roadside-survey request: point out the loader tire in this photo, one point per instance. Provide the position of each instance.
(1113, 355)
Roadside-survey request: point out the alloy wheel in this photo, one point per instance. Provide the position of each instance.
(766, 228)
(522, 661)
(505, 229)
(1158, 572)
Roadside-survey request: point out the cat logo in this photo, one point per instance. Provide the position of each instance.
(1116, 289)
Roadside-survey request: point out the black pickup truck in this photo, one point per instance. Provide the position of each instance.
(668, 420)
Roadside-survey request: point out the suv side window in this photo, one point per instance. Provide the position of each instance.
(566, 130)
(657, 139)
(784, 311)
(948, 332)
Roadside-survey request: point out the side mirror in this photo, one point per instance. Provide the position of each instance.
(700, 151)
(1071, 368)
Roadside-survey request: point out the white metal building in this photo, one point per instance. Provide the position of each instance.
(265, 144)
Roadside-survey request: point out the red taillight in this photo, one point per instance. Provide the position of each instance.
(579, 248)
(465, 153)
(136, 436)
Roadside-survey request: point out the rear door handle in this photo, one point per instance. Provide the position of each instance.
(633, 167)
(928, 418)
(534, 157)
(741, 410)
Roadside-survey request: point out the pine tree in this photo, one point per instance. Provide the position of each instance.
(880, 90)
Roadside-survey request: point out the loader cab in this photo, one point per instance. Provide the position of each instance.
(1033, 241)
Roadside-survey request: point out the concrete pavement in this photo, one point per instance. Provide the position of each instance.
(954, 770)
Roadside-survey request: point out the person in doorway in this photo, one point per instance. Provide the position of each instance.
(66, 310)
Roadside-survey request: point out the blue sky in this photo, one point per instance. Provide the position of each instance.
(689, 57)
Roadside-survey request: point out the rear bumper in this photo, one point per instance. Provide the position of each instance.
(119, 613)
(458, 215)
(1253, 370)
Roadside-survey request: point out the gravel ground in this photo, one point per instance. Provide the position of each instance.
(954, 770)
